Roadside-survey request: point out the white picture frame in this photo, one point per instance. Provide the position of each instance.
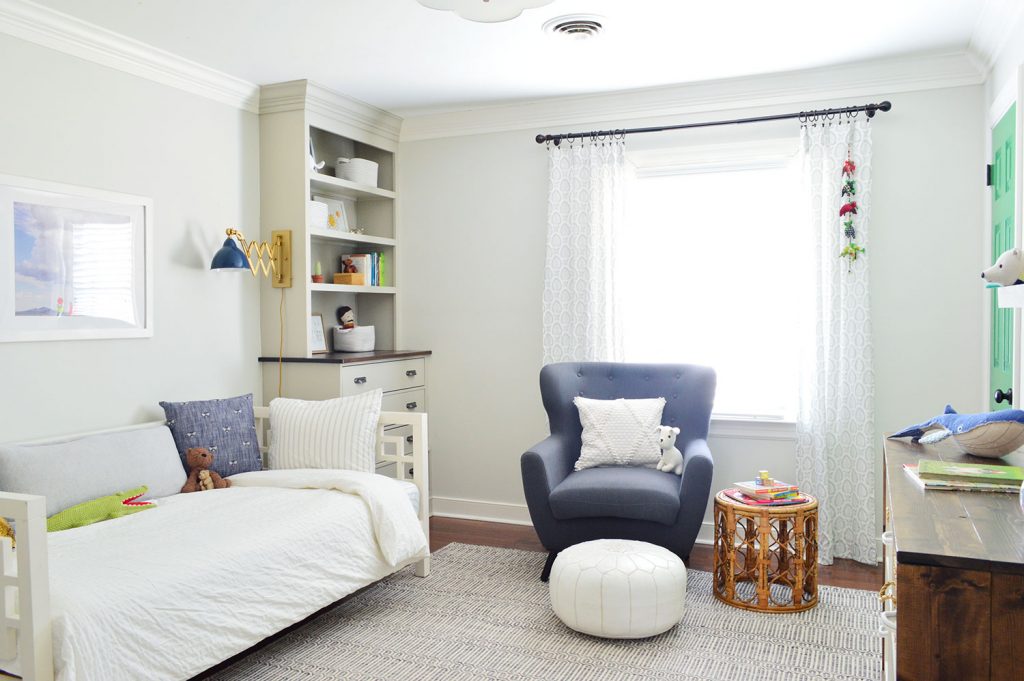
(317, 335)
(76, 263)
(337, 213)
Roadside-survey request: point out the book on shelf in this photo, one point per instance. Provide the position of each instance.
(931, 469)
(958, 485)
(369, 264)
(776, 490)
(737, 495)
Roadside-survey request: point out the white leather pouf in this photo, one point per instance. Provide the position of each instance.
(615, 588)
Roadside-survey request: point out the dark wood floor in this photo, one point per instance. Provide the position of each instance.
(444, 531)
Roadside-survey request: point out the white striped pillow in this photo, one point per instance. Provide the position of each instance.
(338, 433)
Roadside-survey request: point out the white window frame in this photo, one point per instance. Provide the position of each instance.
(726, 157)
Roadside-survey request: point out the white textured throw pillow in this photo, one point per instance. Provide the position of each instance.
(619, 432)
(339, 433)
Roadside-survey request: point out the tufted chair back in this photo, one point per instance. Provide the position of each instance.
(688, 389)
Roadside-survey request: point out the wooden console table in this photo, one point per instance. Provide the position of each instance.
(959, 566)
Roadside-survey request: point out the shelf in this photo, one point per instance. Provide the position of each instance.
(1011, 296)
(345, 288)
(319, 235)
(352, 190)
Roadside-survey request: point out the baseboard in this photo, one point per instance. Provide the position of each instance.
(475, 509)
(515, 514)
(706, 534)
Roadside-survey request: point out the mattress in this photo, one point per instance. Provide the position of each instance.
(169, 592)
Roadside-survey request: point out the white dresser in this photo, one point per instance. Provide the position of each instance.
(402, 375)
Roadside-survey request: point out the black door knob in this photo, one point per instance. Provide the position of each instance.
(1001, 396)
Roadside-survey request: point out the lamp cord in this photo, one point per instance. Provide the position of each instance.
(280, 347)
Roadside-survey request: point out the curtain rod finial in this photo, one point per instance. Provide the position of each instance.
(540, 139)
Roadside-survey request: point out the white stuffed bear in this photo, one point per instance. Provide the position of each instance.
(1007, 270)
(671, 458)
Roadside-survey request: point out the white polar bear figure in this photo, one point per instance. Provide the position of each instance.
(1007, 270)
(671, 458)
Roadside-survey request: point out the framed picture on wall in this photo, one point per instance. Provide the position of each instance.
(317, 336)
(75, 262)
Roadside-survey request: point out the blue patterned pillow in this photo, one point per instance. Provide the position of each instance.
(225, 427)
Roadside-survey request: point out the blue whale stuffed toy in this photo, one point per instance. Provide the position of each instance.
(990, 434)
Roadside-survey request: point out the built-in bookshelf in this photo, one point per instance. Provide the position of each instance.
(293, 116)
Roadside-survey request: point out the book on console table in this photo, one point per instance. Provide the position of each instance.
(958, 486)
(930, 469)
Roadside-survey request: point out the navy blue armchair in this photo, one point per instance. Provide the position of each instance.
(569, 507)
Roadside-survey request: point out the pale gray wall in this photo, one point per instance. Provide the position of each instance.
(67, 120)
(473, 213)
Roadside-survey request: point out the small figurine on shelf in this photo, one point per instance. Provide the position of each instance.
(346, 318)
(318, 273)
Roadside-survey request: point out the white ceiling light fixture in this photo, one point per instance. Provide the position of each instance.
(486, 11)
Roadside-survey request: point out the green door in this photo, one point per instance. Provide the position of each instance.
(1003, 233)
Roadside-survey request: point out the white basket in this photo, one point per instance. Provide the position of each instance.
(358, 170)
(358, 339)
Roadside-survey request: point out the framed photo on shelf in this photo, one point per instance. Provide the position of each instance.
(317, 336)
(75, 262)
(337, 214)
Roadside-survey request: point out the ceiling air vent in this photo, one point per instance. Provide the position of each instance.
(579, 26)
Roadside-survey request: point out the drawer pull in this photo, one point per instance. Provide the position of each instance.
(360, 380)
(410, 405)
(409, 439)
(410, 373)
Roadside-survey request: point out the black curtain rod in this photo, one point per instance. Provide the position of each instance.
(804, 116)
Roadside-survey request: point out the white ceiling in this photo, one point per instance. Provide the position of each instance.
(403, 57)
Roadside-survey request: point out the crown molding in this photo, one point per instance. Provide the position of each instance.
(298, 95)
(861, 79)
(993, 29)
(64, 33)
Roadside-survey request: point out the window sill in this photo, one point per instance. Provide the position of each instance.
(752, 428)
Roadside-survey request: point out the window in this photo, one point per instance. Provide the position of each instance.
(710, 273)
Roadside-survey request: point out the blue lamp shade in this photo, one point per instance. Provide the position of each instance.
(229, 257)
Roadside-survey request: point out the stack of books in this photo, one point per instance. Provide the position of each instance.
(965, 477)
(775, 493)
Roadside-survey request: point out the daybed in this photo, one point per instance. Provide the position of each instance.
(168, 593)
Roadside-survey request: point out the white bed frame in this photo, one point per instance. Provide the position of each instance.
(24, 570)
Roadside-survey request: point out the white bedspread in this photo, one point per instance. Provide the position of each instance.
(167, 593)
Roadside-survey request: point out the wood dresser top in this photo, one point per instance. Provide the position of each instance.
(966, 530)
(352, 357)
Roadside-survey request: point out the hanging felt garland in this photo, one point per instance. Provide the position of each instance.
(848, 211)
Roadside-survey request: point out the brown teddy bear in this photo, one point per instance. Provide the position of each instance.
(200, 477)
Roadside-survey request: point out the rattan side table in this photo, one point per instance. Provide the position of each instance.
(766, 557)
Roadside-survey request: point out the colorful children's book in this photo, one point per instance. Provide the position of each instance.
(930, 469)
(737, 495)
(778, 489)
(954, 486)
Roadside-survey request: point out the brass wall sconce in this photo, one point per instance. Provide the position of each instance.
(273, 258)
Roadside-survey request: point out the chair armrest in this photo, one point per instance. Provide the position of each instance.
(698, 467)
(545, 465)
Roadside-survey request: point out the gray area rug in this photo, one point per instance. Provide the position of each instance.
(484, 614)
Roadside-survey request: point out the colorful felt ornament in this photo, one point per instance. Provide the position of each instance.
(851, 250)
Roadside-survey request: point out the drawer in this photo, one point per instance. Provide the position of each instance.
(404, 432)
(407, 400)
(388, 376)
(386, 468)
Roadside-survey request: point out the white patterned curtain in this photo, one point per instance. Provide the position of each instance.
(835, 422)
(585, 205)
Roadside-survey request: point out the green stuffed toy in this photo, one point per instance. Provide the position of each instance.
(96, 510)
